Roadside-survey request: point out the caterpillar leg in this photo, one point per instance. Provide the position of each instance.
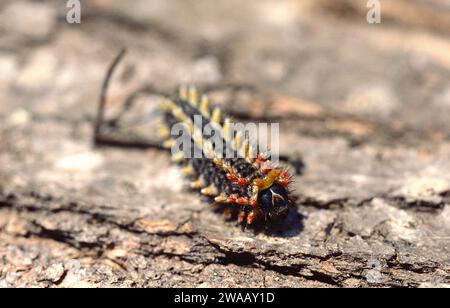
(241, 216)
(242, 219)
(250, 218)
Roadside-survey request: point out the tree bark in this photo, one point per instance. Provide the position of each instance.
(367, 111)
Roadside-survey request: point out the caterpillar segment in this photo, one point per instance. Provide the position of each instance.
(246, 187)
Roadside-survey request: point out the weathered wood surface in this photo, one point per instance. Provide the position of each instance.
(367, 106)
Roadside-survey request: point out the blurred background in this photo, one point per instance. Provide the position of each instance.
(323, 53)
(365, 105)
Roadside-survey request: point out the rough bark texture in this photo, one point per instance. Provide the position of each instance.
(366, 106)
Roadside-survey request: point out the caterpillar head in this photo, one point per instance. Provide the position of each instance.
(274, 202)
(273, 197)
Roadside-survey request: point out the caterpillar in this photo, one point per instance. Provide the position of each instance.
(245, 187)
